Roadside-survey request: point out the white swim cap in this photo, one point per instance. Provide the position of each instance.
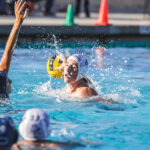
(34, 125)
(82, 64)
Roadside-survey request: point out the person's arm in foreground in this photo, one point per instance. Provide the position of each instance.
(105, 101)
(21, 12)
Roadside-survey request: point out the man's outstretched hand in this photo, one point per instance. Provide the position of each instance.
(21, 10)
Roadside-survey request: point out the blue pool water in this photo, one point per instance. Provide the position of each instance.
(122, 74)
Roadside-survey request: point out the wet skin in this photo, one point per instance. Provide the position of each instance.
(70, 71)
(80, 88)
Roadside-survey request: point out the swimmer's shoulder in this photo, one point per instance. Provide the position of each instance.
(43, 145)
(20, 145)
(62, 145)
(84, 92)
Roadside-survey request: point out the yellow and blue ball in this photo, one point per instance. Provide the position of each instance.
(53, 63)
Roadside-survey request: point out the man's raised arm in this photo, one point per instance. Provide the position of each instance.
(21, 12)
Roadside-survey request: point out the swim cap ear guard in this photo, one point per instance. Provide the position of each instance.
(82, 64)
(53, 63)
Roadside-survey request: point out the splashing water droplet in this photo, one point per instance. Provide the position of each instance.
(55, 44)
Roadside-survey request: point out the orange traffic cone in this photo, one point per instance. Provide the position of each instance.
(103, 14)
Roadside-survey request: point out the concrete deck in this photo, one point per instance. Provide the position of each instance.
(116, 19)
(122, 27)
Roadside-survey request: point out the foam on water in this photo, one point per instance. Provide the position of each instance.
(4, 101)
(61, 96)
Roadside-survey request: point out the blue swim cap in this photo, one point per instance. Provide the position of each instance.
(3, 79)
(34, 125)
(8, 132)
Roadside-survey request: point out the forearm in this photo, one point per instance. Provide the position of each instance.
(12, 40)
(105, 101)
(10, 46)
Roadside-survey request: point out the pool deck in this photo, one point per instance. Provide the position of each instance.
(133, 27)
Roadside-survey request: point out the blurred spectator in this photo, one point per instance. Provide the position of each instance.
(10, 7)
(30, 5)
(7, 5)
(8, 132)
(48, 7)
(2, 7)
(99, 52)
(63, 9)
(86, 7)
(147, 6)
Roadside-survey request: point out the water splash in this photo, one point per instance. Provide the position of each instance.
(4, 101)
(118, 88)
(56, 44)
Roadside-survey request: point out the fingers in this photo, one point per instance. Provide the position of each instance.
(15, 5)
(21, 10)
(22, 7)
(60, 67)
(20, 2)
(26, 13)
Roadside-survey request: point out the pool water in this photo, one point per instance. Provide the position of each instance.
(122, 74)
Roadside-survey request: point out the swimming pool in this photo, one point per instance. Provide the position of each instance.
(120, 73)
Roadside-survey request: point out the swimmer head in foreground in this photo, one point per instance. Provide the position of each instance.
(34, 128)
(77, 84)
